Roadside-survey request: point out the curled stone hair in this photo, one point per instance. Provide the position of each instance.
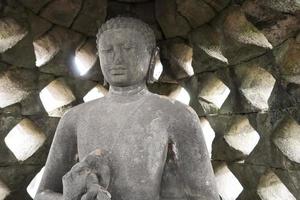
(130, 23)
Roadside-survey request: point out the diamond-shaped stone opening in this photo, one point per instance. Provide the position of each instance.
(4, 191)
(85, 57)
(55, 97)
(34, 184)
(270, 187)
(256, 85)
(180, 94)
(287, 138)
(213, 90)
(241, 135)
(229, 187)
(24, 139)
(45, 48)
(96, 92)
(209, 134)
(10, 33)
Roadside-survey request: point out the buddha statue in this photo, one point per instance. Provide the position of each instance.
(131, 144)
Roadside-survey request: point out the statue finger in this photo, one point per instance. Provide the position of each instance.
(91, 180)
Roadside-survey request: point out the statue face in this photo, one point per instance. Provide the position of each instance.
(123, 57)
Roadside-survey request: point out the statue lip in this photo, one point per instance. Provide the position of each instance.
(117, 70)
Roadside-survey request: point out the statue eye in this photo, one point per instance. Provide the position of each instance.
(107, 50)
(128, 47)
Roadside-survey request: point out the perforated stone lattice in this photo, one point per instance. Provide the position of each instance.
(236, 63)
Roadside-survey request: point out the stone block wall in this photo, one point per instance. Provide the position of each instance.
(239, 61)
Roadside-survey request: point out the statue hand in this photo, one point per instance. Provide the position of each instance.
(74, 182)
(94, 190)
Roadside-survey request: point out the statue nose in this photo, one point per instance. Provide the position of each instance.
(118, 57)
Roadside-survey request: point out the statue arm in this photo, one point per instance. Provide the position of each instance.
(192, 158)
(60, 160)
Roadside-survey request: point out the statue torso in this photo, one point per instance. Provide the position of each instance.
(135, 133)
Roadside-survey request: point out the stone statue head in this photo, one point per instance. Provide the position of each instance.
(127, 49)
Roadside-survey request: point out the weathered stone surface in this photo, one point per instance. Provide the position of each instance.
(130, 165)
(4, 190)
(63, 62)
(284, 28)
(24, 139)
(24, 58)
(208, 55)
(38, 25)
(62, 12)
(32, 105)
(197, 12)
(242, 136)
(16, 84)
(85, 57)
(270, 186)
(287, 57)
(287, 139)
(45, 48)
(255, 84)
(35, 5)
(237, 27)
(170, 21)
(93, 12)
(282, 5)
(218, 5)
(56, 98)
(11, 33)
(7, 123)
(229, 186)
(212, 92)
(177, 56)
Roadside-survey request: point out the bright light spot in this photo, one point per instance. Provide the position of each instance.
(97, 92)
(56, 95)
(270, 187)
(189, 68)
(180, 94)
(214, 91)
(158, 69)
(228, 185)
(24, 139)
(287, 138)
(242, 136)
(4, 191)
(85, 58)
(208, 132)
(34, 184)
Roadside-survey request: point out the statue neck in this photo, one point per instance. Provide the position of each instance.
(129, 90)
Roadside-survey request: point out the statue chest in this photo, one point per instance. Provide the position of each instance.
(137, 142)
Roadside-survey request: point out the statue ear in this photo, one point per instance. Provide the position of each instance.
(153, 59)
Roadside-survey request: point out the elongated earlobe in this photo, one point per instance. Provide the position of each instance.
(154, 57)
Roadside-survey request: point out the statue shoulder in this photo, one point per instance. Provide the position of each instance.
(176, 109)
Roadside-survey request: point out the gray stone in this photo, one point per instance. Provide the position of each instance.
(197, 12)
(93, 12)
(177, 56)
(207, 48)
(170, 21)
(62, 12)
(16, 84)
(35, 5)
(138, 150)
(25, 58)
(38, 25)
